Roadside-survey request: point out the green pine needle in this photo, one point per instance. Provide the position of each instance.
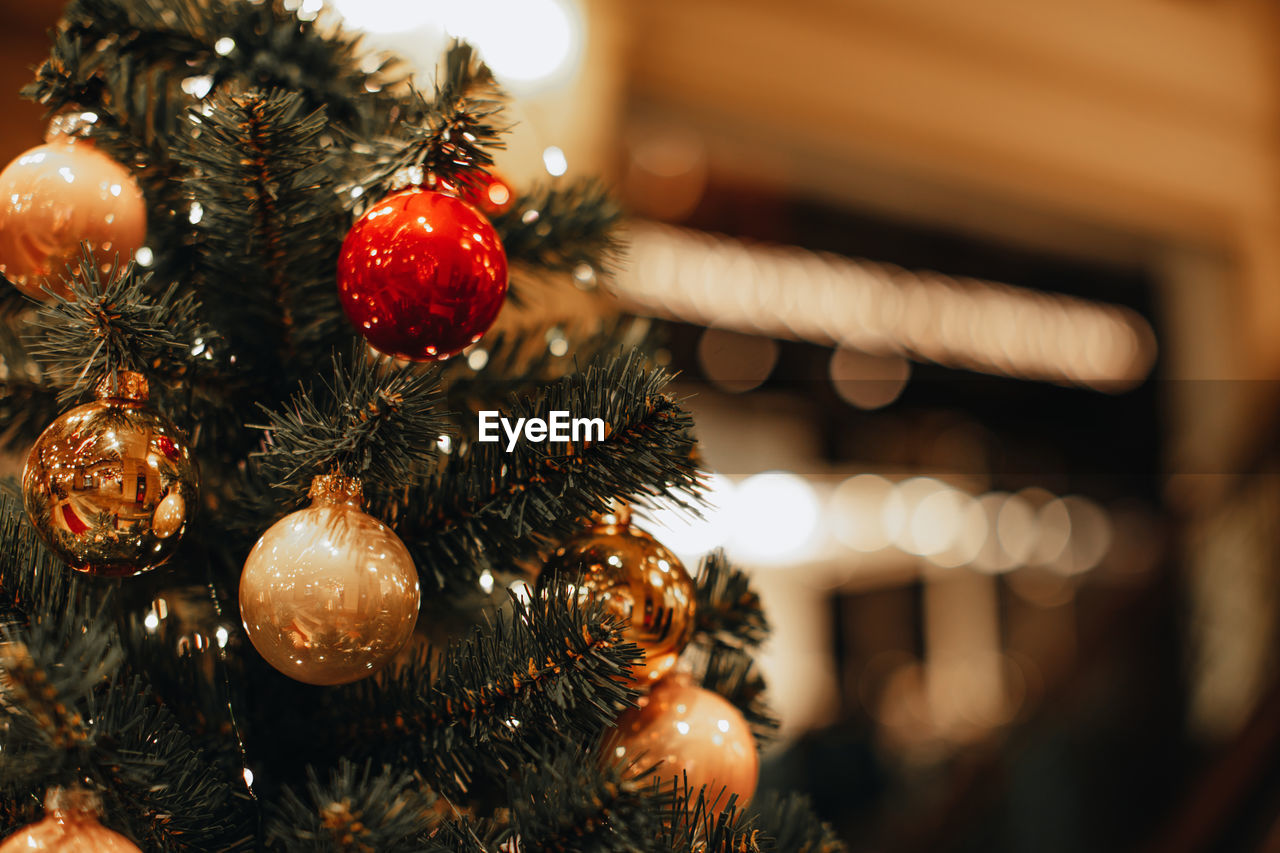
(370, 419)
(111, 321)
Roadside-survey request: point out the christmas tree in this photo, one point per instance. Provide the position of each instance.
(240, 266)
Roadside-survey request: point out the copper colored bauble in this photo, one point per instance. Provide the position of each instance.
(422, 275)
(692, 732)
(329, 594)
(638, 579)
(53, 197)
(487, 192)
(111, 485)
(70, 825)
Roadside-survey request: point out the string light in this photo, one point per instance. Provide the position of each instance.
(778, 518)
(883, 310)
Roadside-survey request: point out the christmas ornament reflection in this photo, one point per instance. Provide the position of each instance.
(638, 579)
(109, 485)
(329, 594)
(422, 275)
(70, 825)
(53, 197)
(691, 731)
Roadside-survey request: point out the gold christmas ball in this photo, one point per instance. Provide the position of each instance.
(691, 731)
(329, 594)
(53, 197)
(638, 579)
(111, 485)
(70, 825)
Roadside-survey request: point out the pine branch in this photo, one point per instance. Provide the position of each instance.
(579, 800)
(357, 811)
(270, 47)
(48, 671)
(371, 419)
(490, 508)
(728, 609)
(733, 674)
(544, 671)
(267, 219)
(450, 136)
(109, 325)
(789, 820)
(27, 403)
(714, 823)
(562, 227)
(155, 782)
(32, 581)
(519, 362)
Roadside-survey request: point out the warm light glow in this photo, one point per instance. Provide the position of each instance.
(857, 508)
(877, 309)
(555, 162)
(775, 516)
(689, 535)
(385, 16)
(525, 42)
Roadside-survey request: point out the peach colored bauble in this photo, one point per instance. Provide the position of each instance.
(53, 197)
(638, 580)
(70, 825)
(329, 594)
(690, 731)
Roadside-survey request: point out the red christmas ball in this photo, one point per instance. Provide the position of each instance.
(422, 275)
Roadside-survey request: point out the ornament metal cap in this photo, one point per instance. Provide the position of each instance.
(617, 515)
(69, 127)
(124, 385)
(336, 489)
(72, 803)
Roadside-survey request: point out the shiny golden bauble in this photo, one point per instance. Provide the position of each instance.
(70, 825)
(693, 732)
(54, 196)
(111, 485)
(638, 580)
(329, 594)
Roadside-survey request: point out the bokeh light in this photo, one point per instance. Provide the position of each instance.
(775, 517)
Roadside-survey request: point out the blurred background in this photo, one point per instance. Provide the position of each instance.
(978, 304)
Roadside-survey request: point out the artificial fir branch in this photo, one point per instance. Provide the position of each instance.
(710, 821)
(789, 820)
(154, 780)
(562, 227)
(370, 419)
(111, 322)
(734, 675)
(728, 610)
(489, 507)
(449, 137)
(544, 670)
(272, 47)
(43, 698)
(265, 222)
(356, 811)
(518, 362)
(32, 580)
(580, 801)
